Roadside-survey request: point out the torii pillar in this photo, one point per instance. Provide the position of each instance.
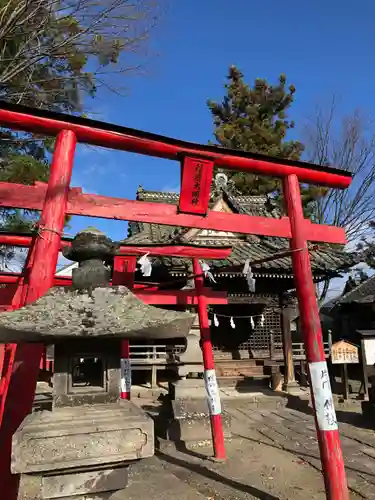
(321, 393)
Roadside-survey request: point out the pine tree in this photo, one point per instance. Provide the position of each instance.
(254, 119)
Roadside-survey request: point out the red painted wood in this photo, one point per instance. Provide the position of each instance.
(29, 197)
(2, 359)
(51, 226)
(195, 185)
(15, 240)
(168, 148)
(7, 279)
(41, 278)
(123, 270)
(46, 249)
(8, 353)
(12, 297)
(11, 278)
(22, 241)
(188, 251)
(8, 291)
(43, 361)
(123, 274)
(125, 352)
(208, 357)
(25, 281)
(329, 441)
(149, 296)
(181, 297)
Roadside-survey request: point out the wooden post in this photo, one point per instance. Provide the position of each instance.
(154, 376)
(330, 343)
(321, 394)
(345, 381)
(46, 250)
(303, 369)
(272, 345)
(289, 375)
(364, 372)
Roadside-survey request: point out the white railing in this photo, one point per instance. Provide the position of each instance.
(154, 354)
(166, 354)
(298, 350)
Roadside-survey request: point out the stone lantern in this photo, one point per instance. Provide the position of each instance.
(82, 448)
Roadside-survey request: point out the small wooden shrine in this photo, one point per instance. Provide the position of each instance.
(253, 324)
(354, 310)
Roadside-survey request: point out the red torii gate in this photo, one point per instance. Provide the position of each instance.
(123, 274)
(57, 200)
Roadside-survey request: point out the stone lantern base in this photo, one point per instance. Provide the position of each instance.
(80, 453)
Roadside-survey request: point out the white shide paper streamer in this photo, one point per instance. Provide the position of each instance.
(126, 375)
(321, 387)
(146, 265)
(207, 271)
(213, 397)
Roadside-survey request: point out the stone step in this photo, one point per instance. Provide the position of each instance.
(239, 373)
(271, 362)
(246, 361)
(257, 380)
(222, 358)
(237, 367)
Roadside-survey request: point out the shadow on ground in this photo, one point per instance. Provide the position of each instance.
(257, 384)
(343, 416)
(212, 475)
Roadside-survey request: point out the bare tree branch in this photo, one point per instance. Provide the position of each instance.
(350, 147)
(109, 36)
(349, 144)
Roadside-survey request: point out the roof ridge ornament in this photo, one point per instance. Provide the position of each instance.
(221, 181)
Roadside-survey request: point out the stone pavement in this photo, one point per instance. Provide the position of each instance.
(274, 456)
(293, 431)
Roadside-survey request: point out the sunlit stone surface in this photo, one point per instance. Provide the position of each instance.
(105, 312)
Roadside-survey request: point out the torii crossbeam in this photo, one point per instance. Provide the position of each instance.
(197, 162)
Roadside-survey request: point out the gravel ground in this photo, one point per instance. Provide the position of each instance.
(274, 456)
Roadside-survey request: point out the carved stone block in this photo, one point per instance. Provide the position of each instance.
(82, 436)
(105, 380)
(191, 422)
(188, 388)
(90, 485)
(83, 451)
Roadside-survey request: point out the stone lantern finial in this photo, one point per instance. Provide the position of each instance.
(91, 248)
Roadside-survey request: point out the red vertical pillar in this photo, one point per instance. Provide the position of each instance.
(321, 394)
(45, 254)
(43, 360)
(123, 274)
(10, 350)
(212, 389)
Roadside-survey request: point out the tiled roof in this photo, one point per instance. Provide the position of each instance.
(364, 292)
(328, 259)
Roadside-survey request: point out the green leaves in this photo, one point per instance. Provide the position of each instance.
(255, 119)
(52, 55)
(23, 169)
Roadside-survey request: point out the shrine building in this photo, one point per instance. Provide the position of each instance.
(250, 332)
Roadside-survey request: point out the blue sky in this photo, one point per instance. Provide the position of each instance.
(323, 47)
